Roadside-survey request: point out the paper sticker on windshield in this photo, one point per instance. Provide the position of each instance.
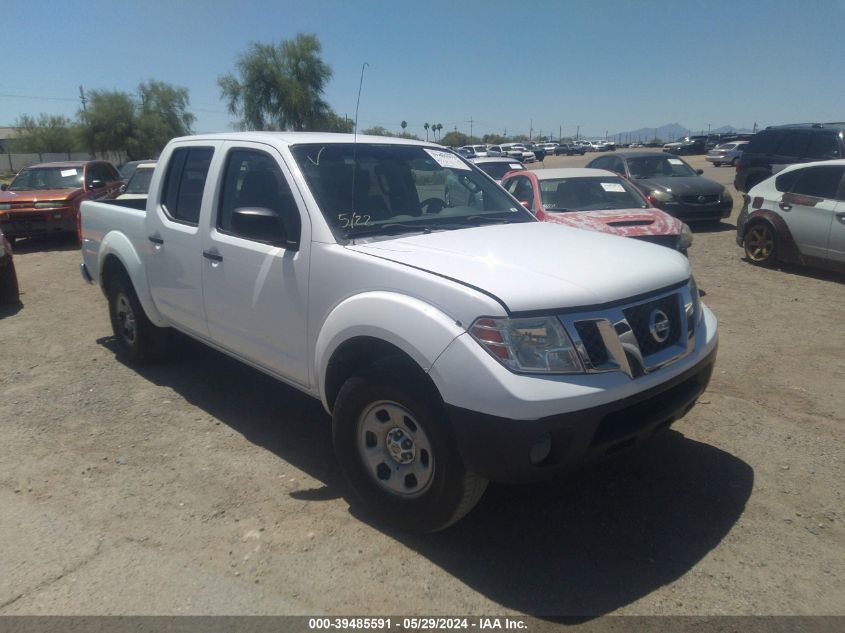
(676, 161)
(68, 172)
(514, 165)
(446, 159)
(613, 186)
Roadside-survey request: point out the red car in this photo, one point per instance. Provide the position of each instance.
(597, 200)
(9, 294)
(45, 198)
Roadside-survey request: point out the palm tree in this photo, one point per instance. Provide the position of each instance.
(403, 125)
(426, 126)
(439, 127)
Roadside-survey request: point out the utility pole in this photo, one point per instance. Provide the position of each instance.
(577, 132)
(83, 99)
(470, 127)
(559, 131)
(708, 129)
(531, 130)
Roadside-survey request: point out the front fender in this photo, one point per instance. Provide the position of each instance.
(417, 328)
(116, 244)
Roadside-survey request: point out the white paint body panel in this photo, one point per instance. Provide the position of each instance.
(287, 312)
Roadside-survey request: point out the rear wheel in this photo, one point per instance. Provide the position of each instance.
(9, 293)
(760, 244)
(138, 339)
(396, 448)
(715, 164)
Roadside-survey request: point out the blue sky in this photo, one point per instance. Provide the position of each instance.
(604, 66)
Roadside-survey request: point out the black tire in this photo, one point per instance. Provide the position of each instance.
(9, 293)
(717, 164)
(760, 244)
(138, 340)
(734, 161)
(387, 400)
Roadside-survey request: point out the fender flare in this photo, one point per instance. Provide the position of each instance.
(787, 249)
(418, 329)
(116, 244)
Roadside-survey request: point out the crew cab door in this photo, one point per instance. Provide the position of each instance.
(174, 263)
(255, 262)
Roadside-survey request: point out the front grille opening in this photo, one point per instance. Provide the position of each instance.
(588, 331)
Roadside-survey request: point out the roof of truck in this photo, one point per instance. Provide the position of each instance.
(295, 138)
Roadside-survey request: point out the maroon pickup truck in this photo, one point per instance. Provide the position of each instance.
(45, 198)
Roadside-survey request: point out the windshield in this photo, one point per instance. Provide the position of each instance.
(400, 189)
(658, 167)
(140, 181)
(41, 178)
(497, 170)
(590, 194)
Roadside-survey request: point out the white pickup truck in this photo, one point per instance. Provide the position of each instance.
(452, 344)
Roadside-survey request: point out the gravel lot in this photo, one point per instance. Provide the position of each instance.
(199, 486)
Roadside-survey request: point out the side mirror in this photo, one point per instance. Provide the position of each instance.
(96, 184)
(700, 172)
(263, 225)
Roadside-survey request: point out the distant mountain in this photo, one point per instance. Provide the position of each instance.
(670, 131)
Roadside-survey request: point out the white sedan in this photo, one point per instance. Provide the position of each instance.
(798, 216)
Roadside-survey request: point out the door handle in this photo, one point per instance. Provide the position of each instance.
(841, 217)
(785, 206)
(155, 239)
(215, 257)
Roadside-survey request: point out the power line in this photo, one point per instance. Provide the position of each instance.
(8, 96)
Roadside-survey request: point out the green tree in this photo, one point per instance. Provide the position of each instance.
(47, 134)
(378, 131)
(332, 122)
(279, 87)
(439, 127)
(493, 139)
(455, 139)
(403, 125)
(426, 126)
(109, 122)
(161, 115)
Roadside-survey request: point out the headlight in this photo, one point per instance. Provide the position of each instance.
(49, 205)
(662, 196)
(696, 300)
(533, 344)
(685, 238)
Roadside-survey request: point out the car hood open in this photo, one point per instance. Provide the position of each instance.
(539, 265)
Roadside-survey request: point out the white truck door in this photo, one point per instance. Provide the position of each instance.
(836, 246)
(174, 263)
(256, 251)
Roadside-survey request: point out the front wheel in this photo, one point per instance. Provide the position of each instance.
(760, 244)
(137, 338)
(398, 453)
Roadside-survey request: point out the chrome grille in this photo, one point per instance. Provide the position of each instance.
(640, 318)
(639, 337)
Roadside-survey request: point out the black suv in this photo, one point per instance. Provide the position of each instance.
(774, 148)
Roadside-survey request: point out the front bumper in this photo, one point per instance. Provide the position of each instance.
(689, 212)
(499, 449)
(38, 222)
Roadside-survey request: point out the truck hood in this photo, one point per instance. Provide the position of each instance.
(37, 195)
(625, 222)
(538, 265)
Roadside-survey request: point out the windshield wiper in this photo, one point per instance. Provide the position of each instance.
(486, 219)
(391, 228)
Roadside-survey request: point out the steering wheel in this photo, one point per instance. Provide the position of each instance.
(432, 205)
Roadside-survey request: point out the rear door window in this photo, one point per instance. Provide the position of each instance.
(819, 182)
(184, 183)
(794, 144)
(823, 146)
(784, 182)
(765, 142)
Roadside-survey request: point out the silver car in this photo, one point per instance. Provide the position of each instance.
(726, 153)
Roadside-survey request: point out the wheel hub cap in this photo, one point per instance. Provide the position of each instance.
(400, 446)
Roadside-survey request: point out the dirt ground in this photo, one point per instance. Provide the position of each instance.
(200, 486)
